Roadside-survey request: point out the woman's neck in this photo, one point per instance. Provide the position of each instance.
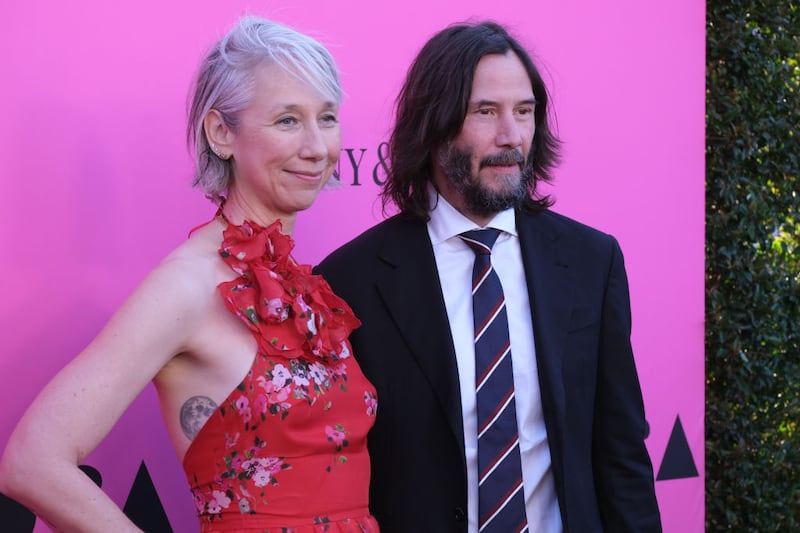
(236, 209)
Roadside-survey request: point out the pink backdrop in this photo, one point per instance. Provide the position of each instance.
(96, 177)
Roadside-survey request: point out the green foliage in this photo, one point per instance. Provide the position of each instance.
(752, 266)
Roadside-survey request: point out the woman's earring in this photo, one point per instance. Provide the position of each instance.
(218, 153)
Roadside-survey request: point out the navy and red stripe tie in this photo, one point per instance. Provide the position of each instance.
(501, 500)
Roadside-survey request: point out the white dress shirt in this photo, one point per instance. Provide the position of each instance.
(454, 260)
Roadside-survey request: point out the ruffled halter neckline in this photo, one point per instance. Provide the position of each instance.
(291, 311)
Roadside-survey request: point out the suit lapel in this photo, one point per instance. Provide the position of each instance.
(551, 298)
(411, 291)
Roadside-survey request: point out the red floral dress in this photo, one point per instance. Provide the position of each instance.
(286, 451)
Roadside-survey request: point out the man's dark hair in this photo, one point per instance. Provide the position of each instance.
(432, 106)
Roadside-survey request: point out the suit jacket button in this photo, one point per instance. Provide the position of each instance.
(459, 514)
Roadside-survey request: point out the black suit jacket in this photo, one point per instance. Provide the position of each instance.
(590, 391)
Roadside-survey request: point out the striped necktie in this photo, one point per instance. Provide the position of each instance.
(501, 501)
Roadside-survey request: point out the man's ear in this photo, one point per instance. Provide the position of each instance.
(219, 135)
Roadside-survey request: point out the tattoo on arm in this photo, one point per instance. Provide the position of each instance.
(194, 413)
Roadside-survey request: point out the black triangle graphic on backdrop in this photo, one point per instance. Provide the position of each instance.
(143, 505)
(93, 474)
(15, 517)
(678, 462)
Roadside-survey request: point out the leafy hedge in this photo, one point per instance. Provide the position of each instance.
(752, 266)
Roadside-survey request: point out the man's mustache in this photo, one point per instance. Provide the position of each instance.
(503, 158)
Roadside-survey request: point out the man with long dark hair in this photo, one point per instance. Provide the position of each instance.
(496, 332)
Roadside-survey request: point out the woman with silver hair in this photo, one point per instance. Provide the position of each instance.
(247, 349)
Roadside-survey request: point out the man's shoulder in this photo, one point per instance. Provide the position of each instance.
(556, 225)
(392, 231)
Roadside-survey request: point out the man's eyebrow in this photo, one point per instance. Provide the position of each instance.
(481, 103)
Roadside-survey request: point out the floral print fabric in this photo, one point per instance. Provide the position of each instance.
(286, 451)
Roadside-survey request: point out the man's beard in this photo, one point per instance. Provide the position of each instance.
(480, 200)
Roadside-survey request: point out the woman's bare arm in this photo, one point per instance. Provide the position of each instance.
(78, 408)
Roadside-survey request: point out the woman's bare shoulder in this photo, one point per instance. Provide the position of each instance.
(195, 265)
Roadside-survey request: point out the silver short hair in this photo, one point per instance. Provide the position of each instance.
(225, 81)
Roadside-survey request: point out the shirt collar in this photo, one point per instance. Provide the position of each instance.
(446, 222)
